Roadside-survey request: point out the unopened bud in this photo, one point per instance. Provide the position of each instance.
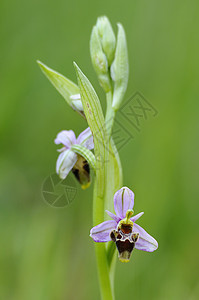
(120, 68)
(99, 60)
(107, 38)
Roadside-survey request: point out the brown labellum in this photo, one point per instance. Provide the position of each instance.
(81, 170)
(125, 242)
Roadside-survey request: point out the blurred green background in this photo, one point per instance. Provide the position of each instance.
(46, 253)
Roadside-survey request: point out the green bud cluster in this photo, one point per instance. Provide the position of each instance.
(110, 59)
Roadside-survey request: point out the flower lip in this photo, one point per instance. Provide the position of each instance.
(125, 243)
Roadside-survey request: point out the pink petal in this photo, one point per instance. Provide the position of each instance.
(86, 139)
(123, 200)
(136, 217)
(145, 242)
(101, 232)
(65, 162)
(66, 137)
(114, 217)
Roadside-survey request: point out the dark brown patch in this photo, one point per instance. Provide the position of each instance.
(126, 228)
(119, 236)
(135, 237)
(126, 245)
(125, 242)
(112, 235)
(76, 173)
(86, 167)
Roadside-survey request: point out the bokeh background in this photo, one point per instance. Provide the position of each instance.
(46, 253)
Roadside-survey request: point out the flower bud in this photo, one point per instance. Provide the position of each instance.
(107, 38)
(120, 68)
(99, 60)
(76, 104)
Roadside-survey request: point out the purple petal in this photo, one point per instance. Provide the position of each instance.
(66, 137)
(86, 139)
(101, 232)
(123, 200)
(136, 217)
(65, 163)
(145, 242)
(114, 217)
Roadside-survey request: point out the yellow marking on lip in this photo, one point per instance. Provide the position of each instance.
(124, 260)
(85, 186)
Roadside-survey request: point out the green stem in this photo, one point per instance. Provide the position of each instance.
(96, 122)
(100, 249)
(106, 284)
(110, 114)
(105, 272)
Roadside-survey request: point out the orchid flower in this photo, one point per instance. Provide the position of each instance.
(69, 160)
(122, 229)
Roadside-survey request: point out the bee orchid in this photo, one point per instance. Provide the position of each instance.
(68, 160)
(123, 230)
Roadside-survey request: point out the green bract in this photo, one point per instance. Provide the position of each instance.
(95, 119)
(68, 89)
(120, 68)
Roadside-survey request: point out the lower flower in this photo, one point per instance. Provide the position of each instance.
(123, 230)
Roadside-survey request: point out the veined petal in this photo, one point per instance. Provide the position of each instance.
(123, 200)
(136, 217)
(145, 242)
(101, 232)
(114, 217)
(65, 163)
(66, 137)
(86, 139)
